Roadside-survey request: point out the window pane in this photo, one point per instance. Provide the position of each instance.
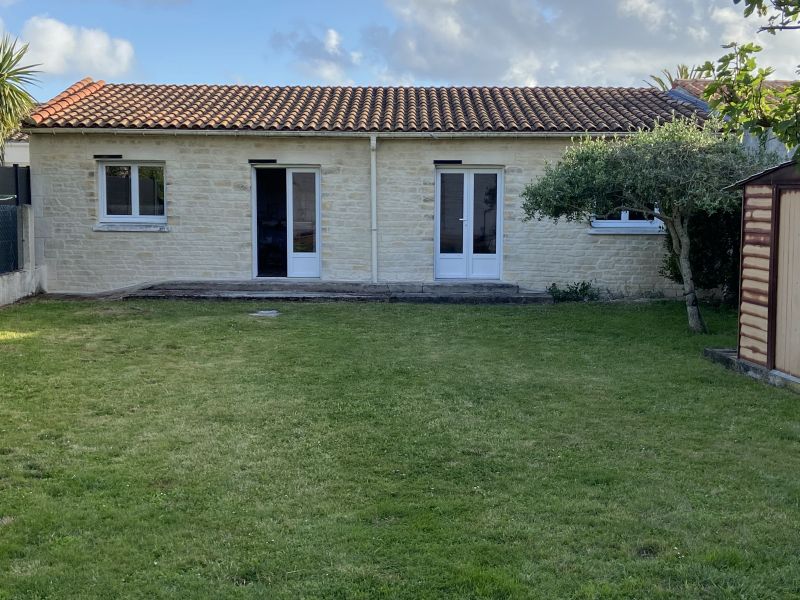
(118, 190)
(451, 225)
(151, 191)
(638, 216)
(304, 212)
(484, 214)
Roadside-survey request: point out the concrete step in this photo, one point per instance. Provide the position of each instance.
(502, 296)
(455, 292)
(280, 285)
(341, 287)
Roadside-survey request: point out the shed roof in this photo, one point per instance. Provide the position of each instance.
(782, 173)
(95, 104)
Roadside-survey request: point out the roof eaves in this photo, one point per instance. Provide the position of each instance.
(743, 182)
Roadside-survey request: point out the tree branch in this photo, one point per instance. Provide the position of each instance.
(648, 211)
(774, 28)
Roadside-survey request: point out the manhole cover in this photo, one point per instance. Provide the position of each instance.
(265, 313)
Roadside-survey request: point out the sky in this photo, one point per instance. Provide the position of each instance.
(379, 42)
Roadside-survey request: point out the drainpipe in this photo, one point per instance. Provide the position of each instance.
(373, 197)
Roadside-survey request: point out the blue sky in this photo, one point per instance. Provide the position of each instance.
(388, 42)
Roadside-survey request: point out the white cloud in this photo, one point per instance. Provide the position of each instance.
(698, 33)
(781, 51)
(649, 12)
(321, 57)
(330, 72)
(521, 42)
(333, 42)
(603, 42)
(66, 49)
(521, 72)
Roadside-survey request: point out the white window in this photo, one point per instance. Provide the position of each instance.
(132, 192)
(626, 221)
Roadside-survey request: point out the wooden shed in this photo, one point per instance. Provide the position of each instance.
(769, 310)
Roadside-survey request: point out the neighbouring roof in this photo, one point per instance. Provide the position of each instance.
(95, 104)
(18, 136)
(696, 87)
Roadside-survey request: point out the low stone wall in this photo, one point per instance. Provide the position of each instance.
(30, 279)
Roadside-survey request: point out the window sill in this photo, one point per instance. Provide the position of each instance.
(133, 227)
(625, 231)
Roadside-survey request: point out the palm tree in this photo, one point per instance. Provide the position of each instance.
(15, 101)
(667, 78)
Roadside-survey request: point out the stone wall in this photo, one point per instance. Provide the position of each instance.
(209, 208)
(30, 278)
(536, 253)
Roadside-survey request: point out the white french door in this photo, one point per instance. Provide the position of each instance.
(302, 212)
(468, 224)
(286, 223)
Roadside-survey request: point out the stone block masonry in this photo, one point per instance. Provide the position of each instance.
(209, 212)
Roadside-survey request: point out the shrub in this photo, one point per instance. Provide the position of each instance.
(580, 291)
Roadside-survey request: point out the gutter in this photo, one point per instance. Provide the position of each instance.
(435, 135)
(373, 202)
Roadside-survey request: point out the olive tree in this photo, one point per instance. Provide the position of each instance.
(670, 172)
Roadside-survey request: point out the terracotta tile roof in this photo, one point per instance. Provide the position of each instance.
(19, 136)
(95, 104)
(696, 87)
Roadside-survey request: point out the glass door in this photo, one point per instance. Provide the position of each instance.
(468, 224)
(302, 207)
(484, 259)
(451, 256)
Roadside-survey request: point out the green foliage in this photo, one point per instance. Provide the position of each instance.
(672, 172)
(667, 78)
(783, 14)
(580, 291)
(741, 92)
(679, 165)
(15, 101)
(715, 239)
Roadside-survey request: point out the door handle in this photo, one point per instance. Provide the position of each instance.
(461, 219)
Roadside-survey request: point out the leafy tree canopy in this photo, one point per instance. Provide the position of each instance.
(741, 91)
(671, 172)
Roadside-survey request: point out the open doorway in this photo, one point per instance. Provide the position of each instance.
(286, 222)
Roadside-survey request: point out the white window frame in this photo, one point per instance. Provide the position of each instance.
(467, 256)
(134, 217)
(627, 225)
(295, 260)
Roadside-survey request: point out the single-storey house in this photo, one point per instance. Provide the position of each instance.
(144, 183)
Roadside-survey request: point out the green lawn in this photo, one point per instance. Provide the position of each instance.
(187, 450)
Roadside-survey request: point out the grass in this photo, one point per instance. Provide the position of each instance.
(187, 450)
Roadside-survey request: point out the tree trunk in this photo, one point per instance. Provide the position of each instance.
(679, 232)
